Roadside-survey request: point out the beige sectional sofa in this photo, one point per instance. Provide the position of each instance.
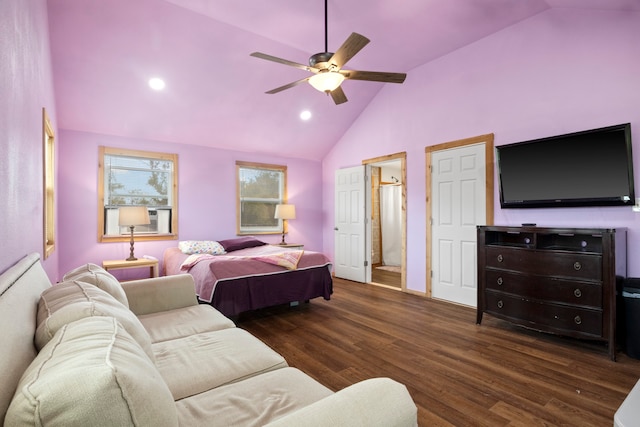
(90, 351)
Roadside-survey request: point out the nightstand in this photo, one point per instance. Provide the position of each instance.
(291, 245)
(120, 264)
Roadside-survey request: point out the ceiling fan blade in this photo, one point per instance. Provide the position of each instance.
(352, 45)
(374, 76)
(284, 61)
(338, 95)
(288, 86)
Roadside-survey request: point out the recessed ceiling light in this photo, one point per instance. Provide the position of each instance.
(305, 115)
(156, 83)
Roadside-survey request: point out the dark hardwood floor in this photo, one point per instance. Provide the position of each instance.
(458, 373)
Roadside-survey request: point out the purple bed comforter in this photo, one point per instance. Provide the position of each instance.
(238, 282)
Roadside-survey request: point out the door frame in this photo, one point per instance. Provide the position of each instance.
(488, 140)
(402, 156)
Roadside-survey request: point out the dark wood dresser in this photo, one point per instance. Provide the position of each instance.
(555, 280)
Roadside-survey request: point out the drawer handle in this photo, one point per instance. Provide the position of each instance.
(500, 258)
(499, 281)
(500, 304)
(578, 320)
(577, 266)
(577, 293)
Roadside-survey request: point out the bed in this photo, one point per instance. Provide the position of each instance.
(247, 274)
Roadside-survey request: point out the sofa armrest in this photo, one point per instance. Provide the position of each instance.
(160, 293)
(379, 402)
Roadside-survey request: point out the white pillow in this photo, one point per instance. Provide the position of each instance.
(191, 247)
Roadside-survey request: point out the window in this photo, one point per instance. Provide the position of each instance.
(260, 188)
(137, 178)
(48, 185)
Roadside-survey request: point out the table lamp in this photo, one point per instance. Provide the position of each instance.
(130, 216)
(285, 212)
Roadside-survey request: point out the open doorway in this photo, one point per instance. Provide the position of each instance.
(386, 199)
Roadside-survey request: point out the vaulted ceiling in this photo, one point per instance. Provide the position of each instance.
(105, 51)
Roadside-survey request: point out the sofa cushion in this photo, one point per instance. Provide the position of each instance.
(70, 301)
(92, 373)
(98, 276)
(254, 401)
(182, 322)
(201, 362)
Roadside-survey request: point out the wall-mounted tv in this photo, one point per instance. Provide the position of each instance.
(589, 168)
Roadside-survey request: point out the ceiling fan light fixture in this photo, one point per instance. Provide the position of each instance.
(327, 81)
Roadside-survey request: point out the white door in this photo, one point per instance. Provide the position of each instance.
(350, 225)
(459, 204)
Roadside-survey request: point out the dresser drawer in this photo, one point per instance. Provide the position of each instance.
(545, 263)
(554, 318)
(545, 288)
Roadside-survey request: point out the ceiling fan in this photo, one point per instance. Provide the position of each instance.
(327, 70)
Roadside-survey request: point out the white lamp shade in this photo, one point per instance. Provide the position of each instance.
(133, 215)
(327, 81)
(285, 212)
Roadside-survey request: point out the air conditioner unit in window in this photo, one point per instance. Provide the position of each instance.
(160, 222)
(152, 227)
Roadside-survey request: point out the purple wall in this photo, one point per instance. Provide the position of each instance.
(558, 72)
(206, 193)
(26, 87)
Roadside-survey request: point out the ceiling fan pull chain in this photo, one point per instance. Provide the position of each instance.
(326, 28)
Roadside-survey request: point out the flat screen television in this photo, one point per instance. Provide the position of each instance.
(588, 168)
